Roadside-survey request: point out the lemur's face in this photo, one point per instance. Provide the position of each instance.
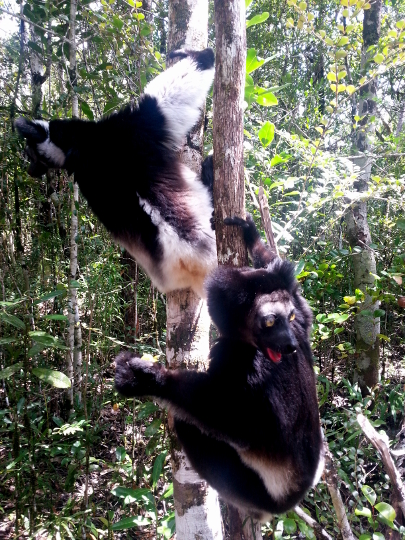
(271, 320)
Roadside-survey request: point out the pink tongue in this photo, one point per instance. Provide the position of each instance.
(275, 356)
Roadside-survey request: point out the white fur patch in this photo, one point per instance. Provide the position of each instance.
(181, 91)
(278, 478)
(320, 467)
(52, 153)
(184, 264)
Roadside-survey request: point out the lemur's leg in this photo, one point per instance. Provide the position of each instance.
(181, 90)
(260, 253)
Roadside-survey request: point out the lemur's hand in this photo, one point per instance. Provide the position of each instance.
(136, 377)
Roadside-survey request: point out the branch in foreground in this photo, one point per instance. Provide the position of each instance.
(319, 531)
(332, 483)
(382, 448)
(264, 212)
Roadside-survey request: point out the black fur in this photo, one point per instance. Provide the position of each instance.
(126, 165)
(253, 416)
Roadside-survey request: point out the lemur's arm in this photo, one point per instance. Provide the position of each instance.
(197, 397)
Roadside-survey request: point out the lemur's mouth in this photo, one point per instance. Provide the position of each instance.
(273, 355)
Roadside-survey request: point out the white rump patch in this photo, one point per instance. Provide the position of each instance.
(185, 264)
(181, 91)
(52, 153)
(278, 478)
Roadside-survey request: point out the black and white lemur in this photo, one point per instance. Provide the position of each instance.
(128, 168)
(250, 424)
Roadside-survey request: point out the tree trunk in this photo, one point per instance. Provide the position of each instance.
(75, 332)
(197, 509)
(229, 85)
(367, 326)
(229, 183)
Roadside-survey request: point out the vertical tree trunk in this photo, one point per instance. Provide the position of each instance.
(367, 327)
(229, 183)
(229, 85)
(197, 508)
(75, 333)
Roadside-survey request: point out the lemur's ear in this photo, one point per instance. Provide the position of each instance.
(32, 131)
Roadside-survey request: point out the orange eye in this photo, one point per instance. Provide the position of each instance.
(292, 316)
(269, 322)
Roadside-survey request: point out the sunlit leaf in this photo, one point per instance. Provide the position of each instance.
(52, 377)
(266, 133)
(252, 61)
(10, 370)
(257, 19)
(370, 494)
(130, 522)
(267, 99)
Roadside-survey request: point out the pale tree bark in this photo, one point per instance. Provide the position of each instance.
(38, 74)
(358, 232)
(229, 184)
(74, 366)
(400, 117)
(197, 509)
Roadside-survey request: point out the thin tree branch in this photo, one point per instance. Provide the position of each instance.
(382, 448)
(319, 531)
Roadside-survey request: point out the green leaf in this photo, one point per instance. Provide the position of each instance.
(290, 526)
(378, 536)
(135, 495)
(147, 409)
(386, 510)
(12, 319)
(252, 61)
(56, 317)
(369, 493)
(52, 377)
(257, 19)
(379, 313)
(342, 318)
(87, 111)
(157, 467)
(37, 348)
(112, 105)
(120, 453)
(400, 223)
(6, 340)
(378, 58)
(10, 370)
(153, 427)
(247, 3)
(50, 295)
(168, 493)
(130, 522)
(46, 339)
(267, 99)
(266, 133)
(365, 537)
(117, 22)
(363, 511)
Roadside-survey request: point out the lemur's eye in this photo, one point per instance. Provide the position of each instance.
(269, 322)
(292, 316)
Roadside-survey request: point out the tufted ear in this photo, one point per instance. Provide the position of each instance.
(32, 131)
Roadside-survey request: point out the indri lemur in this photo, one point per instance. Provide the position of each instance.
(128, 168)
(250, 424)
